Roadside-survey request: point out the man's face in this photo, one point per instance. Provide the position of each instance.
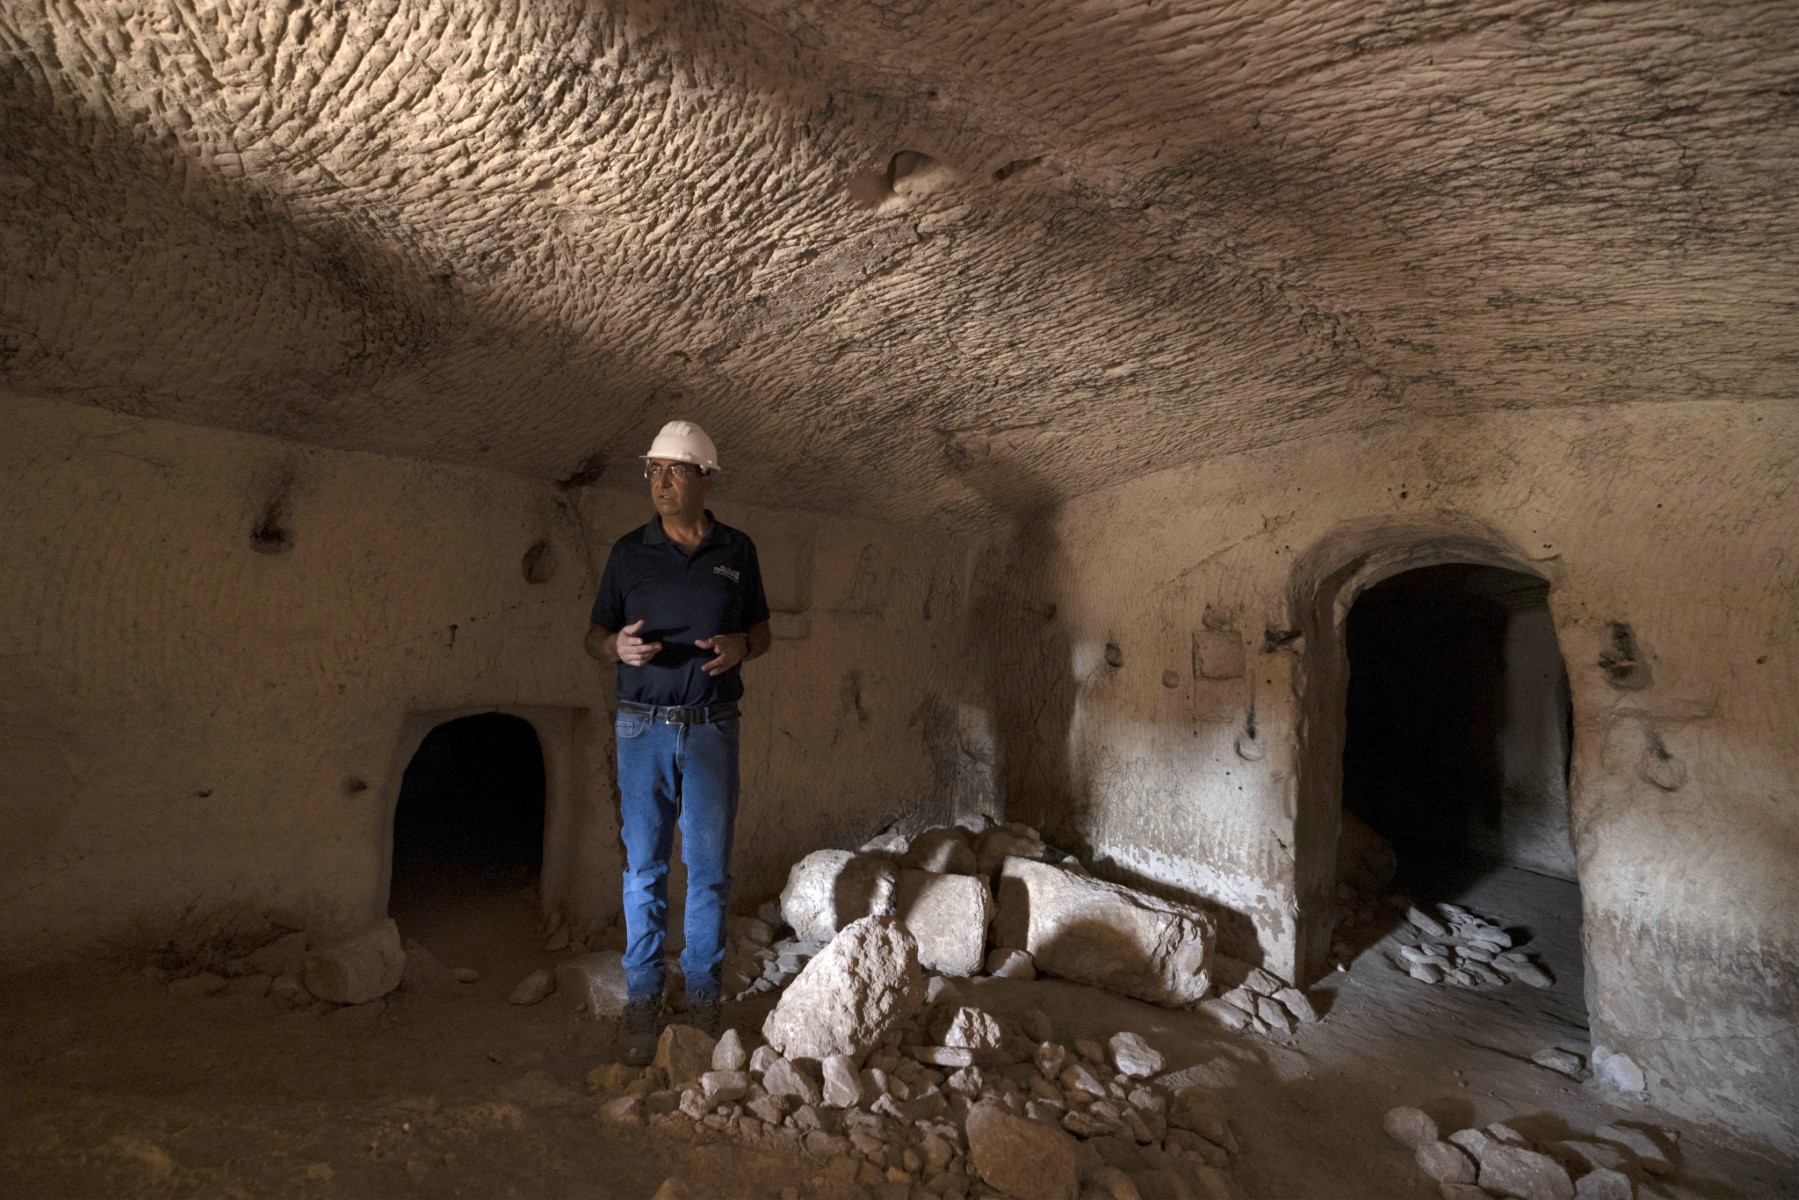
(677, 489)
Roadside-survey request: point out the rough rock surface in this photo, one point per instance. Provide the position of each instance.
(858, 989)
(1604, 1184)
(996, 845)
(1021, 1158)
(1524, 1174)
(1645, 1148)
(943, 849)
(596, 981)
(1135, 1057)
(533, 988)
(1410, 1127)
(1446, 1162)
(1003, 963)
(355, 969)
(683, 1054)
(828, 889)
(1105, 934)
(949, 915)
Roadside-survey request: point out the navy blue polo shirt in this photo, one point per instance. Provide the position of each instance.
(680, 598)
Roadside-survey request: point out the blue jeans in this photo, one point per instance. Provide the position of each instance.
(668, 773)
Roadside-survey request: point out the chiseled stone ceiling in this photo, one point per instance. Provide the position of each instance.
(934, 260)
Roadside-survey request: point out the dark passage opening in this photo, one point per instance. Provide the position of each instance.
(1457, 744)
(468, 830)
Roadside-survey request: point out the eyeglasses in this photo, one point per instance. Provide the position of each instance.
(673, 470)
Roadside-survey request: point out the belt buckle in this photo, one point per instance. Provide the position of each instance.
(681, 715)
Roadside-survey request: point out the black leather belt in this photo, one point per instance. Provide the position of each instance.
(703, 714)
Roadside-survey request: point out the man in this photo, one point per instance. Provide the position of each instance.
(680, 608)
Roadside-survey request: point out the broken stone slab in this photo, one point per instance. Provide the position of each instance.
(966, 1027)
(1241, 998)
(1135, 1057)
(942, 849)
(949, 916)
(952, 1057)
(1410, 1127)
(1425, 972)
(594, 981)
(1274, 1014)
(1475, 1141)
(1505, 1135)
(890, 844)
(728, 1054)
(852, 996)
(842, 1083)
(1011, 964)
(1226, 1015)
(533, 988)
(994, 847)
(1021, 1157)
(1523, 1174)
(783, 1078)
(1297, 1003)
(1259, 981)
(1604, 1184)
(829, 889)
(1484, 974)
(357, 968)
(683, 1054)
(1446, 1162)
(1562, 1062)
(1424, 923)
(1646, 1149)
(1621, 1073)
(1105, 934)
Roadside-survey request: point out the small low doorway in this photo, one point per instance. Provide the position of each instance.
(468, 839)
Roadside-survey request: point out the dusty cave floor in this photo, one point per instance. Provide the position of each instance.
(118, 1088)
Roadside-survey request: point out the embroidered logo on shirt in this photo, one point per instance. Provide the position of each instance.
(728, 573)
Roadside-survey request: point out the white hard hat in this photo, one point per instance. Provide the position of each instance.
(683, 441)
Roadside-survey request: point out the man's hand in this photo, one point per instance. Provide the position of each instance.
(729, 649)
(632, 649)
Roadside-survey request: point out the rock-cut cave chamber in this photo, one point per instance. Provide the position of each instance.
(1290, 467)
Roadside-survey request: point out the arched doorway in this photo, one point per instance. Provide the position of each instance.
(1457, 726)
(1326, 583)
(468, 836)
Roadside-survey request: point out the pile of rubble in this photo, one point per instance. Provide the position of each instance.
(1472, 1164)
(868, 1062)
(352, 970)
(1463, 949)
(986, 899)
(1261, 1003)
